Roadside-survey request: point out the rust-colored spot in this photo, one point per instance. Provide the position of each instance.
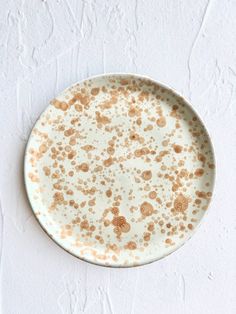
(125, 227)
(152, 195)
(146, 209)
(146, 236)
(201, 158)
(118, 221)
(110, 150)
(60, 104)
(115, 210)
(88, 148)
(147, 175)
(58, 197)
(33, 177)
(134, 136)
(190, 226)
(47, 171)
(71, 155)
(43, 148)
(95, 91)
(102, 119)
(199, 172)
(109, 103)
(108, 162)
(83, 167)
(161, 122)
(124, 82)
(109, 193)
(131, 245)
(78, 108)
(69, 132)
(151, 226)
(203, 195)
(84, 225)
(177, 148)
(84, 99)
(180, 203)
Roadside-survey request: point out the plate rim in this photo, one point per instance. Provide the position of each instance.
(190, 106)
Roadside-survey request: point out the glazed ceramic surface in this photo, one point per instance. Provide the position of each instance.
(119, 170)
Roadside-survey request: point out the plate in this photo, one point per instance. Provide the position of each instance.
(119, 170)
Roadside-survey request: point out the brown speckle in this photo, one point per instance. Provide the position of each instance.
(161, 122)
(201, 158)
(152, 195)
(43, 148)
(180, 203)
(177, 148)
(151, 226)
(102, 119)
(84, 167)
(88, 148)
(199, 172)
(33, 177)
(95, 91)
(78, 108)
(119, 221)
(147, 236)
(131, 245)
(47, 171)
(109, 193)
(60, 104)
(108, 162)
(146, 209)
(190, 226)
(147, 175)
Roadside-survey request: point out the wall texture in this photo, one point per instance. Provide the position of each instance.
(47, 45)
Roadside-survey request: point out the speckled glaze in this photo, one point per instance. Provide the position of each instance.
(119, 170)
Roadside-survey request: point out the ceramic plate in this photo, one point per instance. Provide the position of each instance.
(119, 170)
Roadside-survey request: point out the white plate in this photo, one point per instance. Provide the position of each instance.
(119, 170)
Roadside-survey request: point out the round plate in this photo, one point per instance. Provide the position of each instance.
(119, 170)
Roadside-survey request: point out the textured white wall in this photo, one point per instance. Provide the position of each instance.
(47, 45)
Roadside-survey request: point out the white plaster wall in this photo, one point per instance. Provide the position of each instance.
(47, 45)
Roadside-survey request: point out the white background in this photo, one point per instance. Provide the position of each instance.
(45, 46)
